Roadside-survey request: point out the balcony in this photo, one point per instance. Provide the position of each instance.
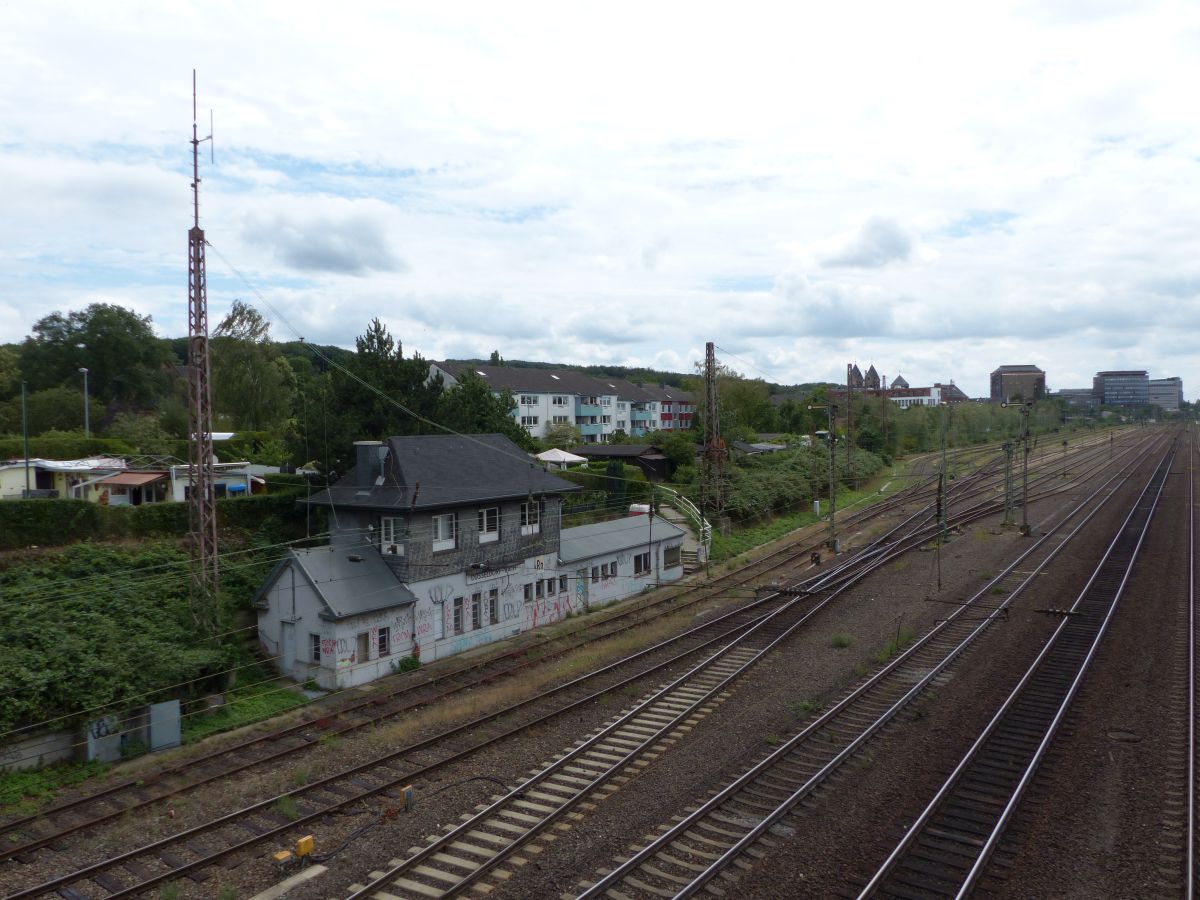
(587, 409)
(591, 429)
(641, 416)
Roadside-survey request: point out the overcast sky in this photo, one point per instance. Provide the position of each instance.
(935, 188)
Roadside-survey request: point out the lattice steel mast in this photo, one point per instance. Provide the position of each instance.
(202, 510)
(714, 447)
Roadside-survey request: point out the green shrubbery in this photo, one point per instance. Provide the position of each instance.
(48, 523)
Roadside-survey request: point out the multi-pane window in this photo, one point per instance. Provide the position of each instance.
(562, 420)
(528, 421)
(531, 517)
(550, 585)
(493, 606)
(606, 420)
(595, 574)
(606, 401)
(458, 615)
(314, 645)
(444, 531)
(385, 641)
(641, 563)
(391, 535)
(621, 424)
(476, 610)
(559, 400)
(562, 582)
(489, 525)
(528, 593)
(539, 589)
(439, 621)
(672, 557)
(528, 400)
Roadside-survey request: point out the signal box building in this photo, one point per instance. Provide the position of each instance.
(440, 544)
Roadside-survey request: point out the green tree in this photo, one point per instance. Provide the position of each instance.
(54, 409)
(380, 394)
(144, 433)
(126, 362)
(10, 371)
(253, 385)
(562, 436)
(471, 408)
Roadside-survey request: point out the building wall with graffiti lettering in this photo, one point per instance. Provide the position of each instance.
(444, 614)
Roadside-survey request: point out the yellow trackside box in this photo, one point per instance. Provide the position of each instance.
(304, 845)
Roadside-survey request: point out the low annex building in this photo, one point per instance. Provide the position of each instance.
(441, 543)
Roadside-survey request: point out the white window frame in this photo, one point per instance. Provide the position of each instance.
(607, 401)
(445, 531)
(563, 583)
(383, 641)
(528, 400)
(391, 535)
(489, 524)
(529, 421)
(607, 420)
(562, 420)
(314, 647)
(559, 400)
(539, 589)
(458, 615)
(531, 518)
(494, 606)
(476, 611)
(439, 620)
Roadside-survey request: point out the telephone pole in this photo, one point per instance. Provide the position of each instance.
(202, 509)
(849, 425)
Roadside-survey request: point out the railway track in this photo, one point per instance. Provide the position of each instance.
(23, 835)
(189, 853)
(947, 849)
(685, 856)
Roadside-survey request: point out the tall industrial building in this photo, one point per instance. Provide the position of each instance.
(1129, 387)
(1166, 393)
(1011, 382)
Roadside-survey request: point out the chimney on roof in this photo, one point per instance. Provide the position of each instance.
(369, 457)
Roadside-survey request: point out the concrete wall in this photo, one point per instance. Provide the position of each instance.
(40, 749)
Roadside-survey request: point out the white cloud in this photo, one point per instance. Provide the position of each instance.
(553, 183)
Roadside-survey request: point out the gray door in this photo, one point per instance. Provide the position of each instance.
(287, 657)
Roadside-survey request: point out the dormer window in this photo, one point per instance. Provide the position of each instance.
(391, 536)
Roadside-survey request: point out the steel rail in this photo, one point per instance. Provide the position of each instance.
(1190, 853)
(931, 671)
(1036, 668)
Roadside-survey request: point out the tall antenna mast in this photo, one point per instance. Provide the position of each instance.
(714, 447)
(202, 509)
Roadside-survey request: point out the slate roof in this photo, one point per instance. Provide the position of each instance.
(349, 582)
(588, 541)
(1020, 368)
(442, 470)
(566, 381)
(518, 379)
(609, 451)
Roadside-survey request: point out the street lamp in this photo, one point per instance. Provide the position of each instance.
(833, 542)
(87, 426)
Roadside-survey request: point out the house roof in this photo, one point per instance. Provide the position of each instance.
(438, 470)
(1020, 368)
(587, 541)
(68, 465)
(621, 450)
(348, 581)
(565, 381)
(516, 379)
(133, 479)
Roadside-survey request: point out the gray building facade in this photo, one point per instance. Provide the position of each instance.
(1024, 381)
(1122, 387)
(1166, 393)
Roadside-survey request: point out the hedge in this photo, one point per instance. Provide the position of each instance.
(25, 523)
(65, 446)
